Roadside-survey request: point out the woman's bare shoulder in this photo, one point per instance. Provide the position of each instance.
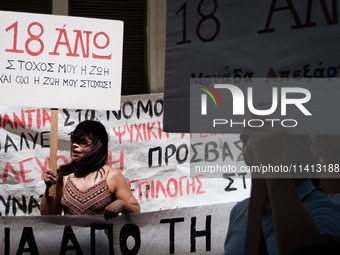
(115, 179)
(114, 176)
(111, 171)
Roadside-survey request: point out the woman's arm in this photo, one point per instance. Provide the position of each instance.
(50, 205)
(293, 225)
(125, 202)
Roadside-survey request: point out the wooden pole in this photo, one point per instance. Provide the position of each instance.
(255, 214)
(53, 146)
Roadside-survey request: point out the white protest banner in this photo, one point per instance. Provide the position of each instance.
(194, 230)
(218, 40)
(60, 61)
(155, 163)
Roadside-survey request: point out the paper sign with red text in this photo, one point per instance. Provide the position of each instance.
(60, 61)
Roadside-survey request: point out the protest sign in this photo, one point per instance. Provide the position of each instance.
(193, 230)
(60, 61)
(217, 40)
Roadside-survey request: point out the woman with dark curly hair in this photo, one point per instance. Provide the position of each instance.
(87, 185)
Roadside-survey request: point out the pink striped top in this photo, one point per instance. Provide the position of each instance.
(89, 202)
